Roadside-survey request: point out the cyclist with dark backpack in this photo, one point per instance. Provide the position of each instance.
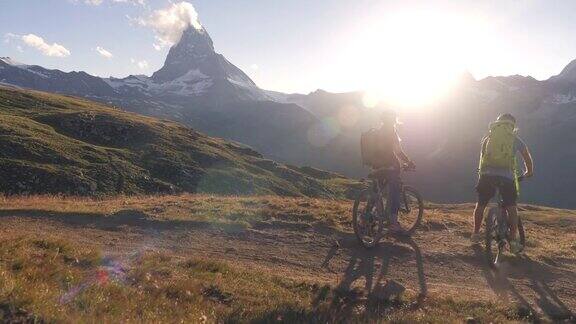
(499, 170)
(382, 151)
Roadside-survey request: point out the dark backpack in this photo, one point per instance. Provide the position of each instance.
(368, 147)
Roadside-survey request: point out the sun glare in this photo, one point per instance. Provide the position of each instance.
(410, 59)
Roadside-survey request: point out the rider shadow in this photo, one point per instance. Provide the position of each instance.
(549, 301)
(378, 292)
(546, 299)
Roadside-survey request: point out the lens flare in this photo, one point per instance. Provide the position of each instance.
(112, 269)
(324, 131)
(348, 116)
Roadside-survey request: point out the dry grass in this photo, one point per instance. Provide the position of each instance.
(54, 281)
(240, 210)
(58, 280)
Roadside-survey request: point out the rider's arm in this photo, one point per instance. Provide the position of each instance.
(400, 153)
(528, 162)
(483, 149)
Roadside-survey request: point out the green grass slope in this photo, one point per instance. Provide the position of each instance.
(57, 144)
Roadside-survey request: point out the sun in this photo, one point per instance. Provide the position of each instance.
(413, 58)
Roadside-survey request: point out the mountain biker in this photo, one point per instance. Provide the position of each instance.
(389, 154)
(498, 170)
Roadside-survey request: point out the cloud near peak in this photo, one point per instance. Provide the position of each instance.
(169, 23)
(37, 42)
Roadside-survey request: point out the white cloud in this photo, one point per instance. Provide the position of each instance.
(37, 42)
(170, 23)
(142, 64)
(254, 67)
(99, 2)
(103, 52)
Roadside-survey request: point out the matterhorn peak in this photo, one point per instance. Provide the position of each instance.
(194, 59)
(196, 39)
(194, 47)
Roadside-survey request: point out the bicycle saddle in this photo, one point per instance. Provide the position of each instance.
(378, 173)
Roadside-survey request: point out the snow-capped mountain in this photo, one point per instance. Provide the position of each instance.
(193, 69)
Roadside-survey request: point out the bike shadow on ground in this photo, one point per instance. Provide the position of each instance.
(539, 275)
(366, 278)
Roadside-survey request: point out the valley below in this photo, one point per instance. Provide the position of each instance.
(205, 258)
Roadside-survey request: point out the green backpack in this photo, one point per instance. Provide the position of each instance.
(499, 149)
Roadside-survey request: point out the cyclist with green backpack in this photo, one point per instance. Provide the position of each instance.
(499, 170)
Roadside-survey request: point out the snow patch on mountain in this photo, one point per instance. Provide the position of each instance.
(193, 83)
(12, 62)
(30, 68)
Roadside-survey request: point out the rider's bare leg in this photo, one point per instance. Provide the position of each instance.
(513, 221)
(478, 216)
(394, 193)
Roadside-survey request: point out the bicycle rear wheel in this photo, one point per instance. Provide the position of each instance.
(365, 219)
(411, 210)
(493, 243)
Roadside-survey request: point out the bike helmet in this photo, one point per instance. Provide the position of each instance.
(388, 116)
(506, 116)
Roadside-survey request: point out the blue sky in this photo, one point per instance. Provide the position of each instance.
(302, 45)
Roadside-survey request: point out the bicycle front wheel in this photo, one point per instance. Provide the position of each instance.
(411, 210)
(366, 221)
(521, 233)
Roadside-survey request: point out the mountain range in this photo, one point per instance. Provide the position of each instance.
(202, 89)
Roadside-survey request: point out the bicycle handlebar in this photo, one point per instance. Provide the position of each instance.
(405, 168)
(408, 168)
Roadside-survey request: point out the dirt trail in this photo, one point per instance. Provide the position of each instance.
(438, 260)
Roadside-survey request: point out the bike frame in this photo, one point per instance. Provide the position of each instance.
(378, 187)
(503, 217)
(378, 216)
(503, 222)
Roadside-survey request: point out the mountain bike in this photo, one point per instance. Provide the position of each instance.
(497, 230)
(371, 212)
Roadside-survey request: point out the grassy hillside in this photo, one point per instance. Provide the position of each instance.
(210, 259)
(57, 144)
